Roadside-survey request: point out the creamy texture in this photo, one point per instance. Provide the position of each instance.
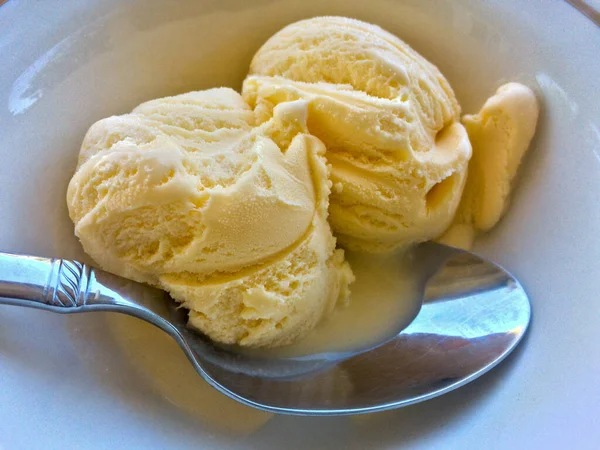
(189, 194)
(224, 201)
(388, 118)
(385, 298)
(500, 134)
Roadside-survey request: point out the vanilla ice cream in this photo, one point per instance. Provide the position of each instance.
(500, 135)
(189, 194)
(224, 199)
(388, 118)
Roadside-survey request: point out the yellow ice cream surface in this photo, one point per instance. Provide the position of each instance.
(226, 201)
(189, 194)
(388, 118)
(500, 134)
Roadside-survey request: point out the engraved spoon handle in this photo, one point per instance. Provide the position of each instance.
(56, 284)
(66, 286)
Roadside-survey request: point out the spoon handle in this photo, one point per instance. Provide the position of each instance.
(55, 284)
(66, 286)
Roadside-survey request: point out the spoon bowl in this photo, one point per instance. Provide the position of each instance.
(473, 315)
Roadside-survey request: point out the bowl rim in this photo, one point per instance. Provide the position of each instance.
(586, 9)
(580, 5)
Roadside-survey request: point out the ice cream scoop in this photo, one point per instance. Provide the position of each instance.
(500, 134)
(389, 120)
(190, 194)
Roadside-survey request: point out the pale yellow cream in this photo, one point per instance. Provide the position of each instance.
(190, 194)
(500, 134)
(388, 117)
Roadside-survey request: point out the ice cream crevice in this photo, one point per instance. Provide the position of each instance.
(440, 192)
(219, 277)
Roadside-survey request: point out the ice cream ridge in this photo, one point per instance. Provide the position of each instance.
(234, 203)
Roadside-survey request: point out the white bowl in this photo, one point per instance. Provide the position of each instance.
(103, 382)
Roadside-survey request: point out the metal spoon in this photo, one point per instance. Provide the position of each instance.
(474, 313)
